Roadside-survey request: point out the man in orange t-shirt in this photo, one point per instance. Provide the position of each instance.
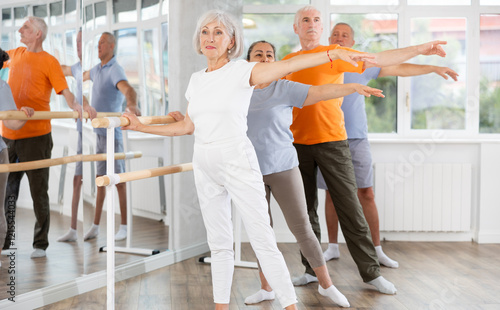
(33, 73)
(321, 141)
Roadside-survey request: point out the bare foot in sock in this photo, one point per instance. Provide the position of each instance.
(332, 252)
(384, 259)
(304, 279)
(92, 233)
(383, 286)
(260, 296)
(335, 295)
(70, 236)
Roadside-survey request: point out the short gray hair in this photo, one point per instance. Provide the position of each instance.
(111, 37)
(344, 24)
(40, 25)
(233, 29)
(302, 10)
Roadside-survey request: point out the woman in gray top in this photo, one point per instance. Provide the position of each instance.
(6, 104)
(269, 119)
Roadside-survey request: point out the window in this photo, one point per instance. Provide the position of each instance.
(6, 17)
(164, 7)
(100, 14)
(127, 56)
(245, 2)
(437, 103)
(153, 103)
(89, 17)
(439, 2)
(124, 11)
(56, 16)
(274, 28)
(164, 43)
(20, 13)
(40, 11)
(374, 33)
(149, 9)
(70, 11)
(489, 87)
(364, 2)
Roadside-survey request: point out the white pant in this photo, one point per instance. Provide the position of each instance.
(230, 170)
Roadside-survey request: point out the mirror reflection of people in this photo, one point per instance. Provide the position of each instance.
(224, 161)
(109, 87)
(6, 104)
(356, 125)
(321, 143)
(76, 72)
(269, 120)
(33, 73)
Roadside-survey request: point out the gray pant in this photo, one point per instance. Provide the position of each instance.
(288, 190)
(334, 161)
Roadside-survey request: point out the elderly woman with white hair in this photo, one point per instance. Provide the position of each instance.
(224, 161)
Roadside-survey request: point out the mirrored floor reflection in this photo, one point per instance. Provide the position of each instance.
(146, 234)
(63, 263)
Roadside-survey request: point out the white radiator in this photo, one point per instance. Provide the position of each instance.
(428, 197)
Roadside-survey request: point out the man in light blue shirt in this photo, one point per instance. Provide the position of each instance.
(109, 88)
(356, 126)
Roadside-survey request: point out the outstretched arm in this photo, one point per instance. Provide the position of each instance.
(183, 126)
(406, 69)
(331, 91)
(268, 72)
(130, 95)
(400, 55)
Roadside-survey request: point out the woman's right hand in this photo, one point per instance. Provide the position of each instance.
(134, 124)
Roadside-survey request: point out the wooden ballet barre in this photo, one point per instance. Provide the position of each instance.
(106, 180)
(44, 163)
(123, 121)
(38, 115)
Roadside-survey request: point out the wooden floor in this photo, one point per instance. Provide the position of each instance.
(66, 261)
(437, 275)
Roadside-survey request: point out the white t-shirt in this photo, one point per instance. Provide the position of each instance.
(219, 100)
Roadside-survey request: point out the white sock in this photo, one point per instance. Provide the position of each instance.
(38, 253)
(92, 232)
(335, 295)
(304, 279)
(383, 286)
(260, 296)
(122, 233)
(70, 236)
(384, 259)
(332, 252)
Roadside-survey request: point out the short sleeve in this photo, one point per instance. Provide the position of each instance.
(118, 75)
(7, 102)
(297, 92)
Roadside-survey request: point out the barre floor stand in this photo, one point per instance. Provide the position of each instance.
(110, 152)
(110, 255)
(237, 245)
